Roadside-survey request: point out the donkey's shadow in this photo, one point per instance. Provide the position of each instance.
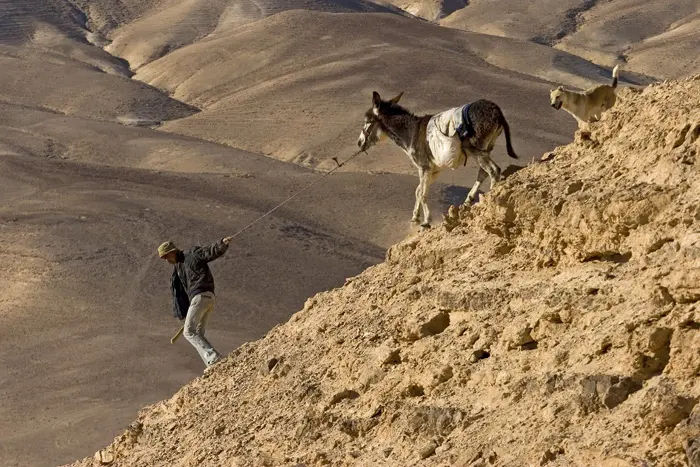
(455, 195)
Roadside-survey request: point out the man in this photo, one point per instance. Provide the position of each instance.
(192, 286)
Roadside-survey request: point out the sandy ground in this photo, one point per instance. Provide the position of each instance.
(231, 104)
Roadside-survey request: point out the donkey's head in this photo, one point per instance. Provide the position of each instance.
(372, 131)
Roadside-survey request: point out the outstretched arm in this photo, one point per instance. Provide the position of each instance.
(215, 250)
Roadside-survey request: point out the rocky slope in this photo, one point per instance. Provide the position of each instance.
(554, 323)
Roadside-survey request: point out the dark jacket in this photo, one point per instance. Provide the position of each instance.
(191, 275)
(181, 302)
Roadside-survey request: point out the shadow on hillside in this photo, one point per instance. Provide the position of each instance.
(455, 194)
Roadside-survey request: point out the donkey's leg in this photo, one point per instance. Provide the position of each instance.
(428, 179)
(485, 162)
(480, 177)
(419, 190)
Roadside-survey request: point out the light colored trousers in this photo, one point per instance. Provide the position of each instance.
(197, 315)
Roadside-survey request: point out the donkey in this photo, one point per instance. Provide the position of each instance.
(437, 142)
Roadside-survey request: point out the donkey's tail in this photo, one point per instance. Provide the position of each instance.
(506, 131)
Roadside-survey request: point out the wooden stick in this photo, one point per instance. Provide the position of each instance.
(176, 336)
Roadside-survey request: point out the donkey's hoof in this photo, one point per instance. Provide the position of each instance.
(415, 220)
(425, 226)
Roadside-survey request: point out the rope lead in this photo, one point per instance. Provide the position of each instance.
(338, 165)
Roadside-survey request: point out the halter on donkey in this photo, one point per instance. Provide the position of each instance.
(437, 142)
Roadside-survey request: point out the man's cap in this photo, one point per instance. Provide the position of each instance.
(166, 248)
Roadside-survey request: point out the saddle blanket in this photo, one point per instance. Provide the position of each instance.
(445, 133)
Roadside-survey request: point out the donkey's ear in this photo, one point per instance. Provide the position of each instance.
(376, 100)
(560, 88)
(396, 99)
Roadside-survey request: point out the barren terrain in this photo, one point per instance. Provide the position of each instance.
(124, 123)
(555, 323)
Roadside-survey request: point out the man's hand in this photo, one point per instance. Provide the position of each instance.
(227, 240)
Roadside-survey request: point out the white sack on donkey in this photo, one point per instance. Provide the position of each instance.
(445, 133)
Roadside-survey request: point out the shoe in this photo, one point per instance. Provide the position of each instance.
(207, 370)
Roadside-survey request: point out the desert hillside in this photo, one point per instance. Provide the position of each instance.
(51, 61)
(127, 122)
(656, 38)
(554, 323)
(150, 30)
